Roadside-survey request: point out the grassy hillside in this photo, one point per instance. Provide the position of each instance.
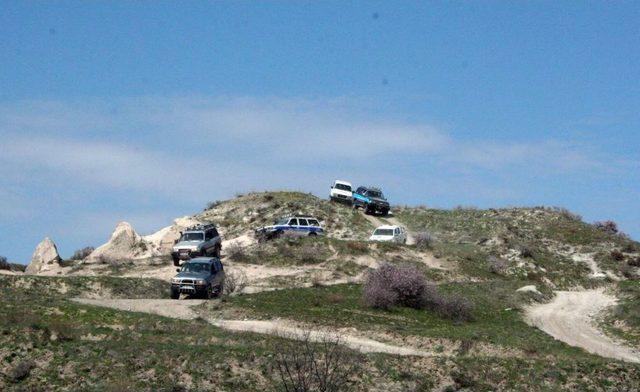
(483, 256)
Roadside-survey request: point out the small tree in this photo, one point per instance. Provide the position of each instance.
(609, 227)
(424, 240)
(83, 253)
(307, 362)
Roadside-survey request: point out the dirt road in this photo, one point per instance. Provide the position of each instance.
(570, 318)
(184, 310)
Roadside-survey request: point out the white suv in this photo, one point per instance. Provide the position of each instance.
(341, 192)
(397, 234)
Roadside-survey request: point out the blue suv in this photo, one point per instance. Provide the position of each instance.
(301, 225)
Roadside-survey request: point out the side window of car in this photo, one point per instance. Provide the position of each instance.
(293, 222)
(397, 231)
(208, 235)
(302, 222)
(313, 222)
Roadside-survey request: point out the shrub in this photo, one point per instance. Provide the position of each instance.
(236, 252)
(21, 370)
(629, 271)
(316, 280)
(527, 252)
(405, 285)
(235, 281)
(391, 285)
(497, 265)
(424, 240)
(609, 227)
(616, 255)
(634, 262)
(456, 308)
(212, 204)
(83, 253)
(357, 247)
(4, 264)
(307, 363)
(567, 214)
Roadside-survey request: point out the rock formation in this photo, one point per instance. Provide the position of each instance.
(124, 244)
(44, 258)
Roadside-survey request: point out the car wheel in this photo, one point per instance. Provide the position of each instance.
(176, 262)
(175, 294)
(218, 291)
(313, 234)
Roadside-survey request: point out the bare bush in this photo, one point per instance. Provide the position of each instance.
(456, 308)
(236, 252)
(634, 262)
(405, 285)
(308, 254)
(212, 204)
(314, 363)
(391, 285)
(616, 255)
(235, 281)
(4, 264)
(629, 271)
(567, 214)
(21, 370)
(609, 227)
(497, 265)
(83, 253)
(423, 240)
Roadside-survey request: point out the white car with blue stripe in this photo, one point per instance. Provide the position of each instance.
(301, 225)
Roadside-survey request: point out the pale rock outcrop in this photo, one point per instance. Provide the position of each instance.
(529, 289)
(163, 240)
(124, 244)
(44, 258)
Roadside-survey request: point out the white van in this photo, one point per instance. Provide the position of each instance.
(397, 234)
(341, 192)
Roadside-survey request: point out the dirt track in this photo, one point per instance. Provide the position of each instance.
(570, 318)
(183, 310)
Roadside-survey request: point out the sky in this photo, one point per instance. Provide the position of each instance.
(145, 111)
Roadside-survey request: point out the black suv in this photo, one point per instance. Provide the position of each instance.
(371, 200)
(201, 276)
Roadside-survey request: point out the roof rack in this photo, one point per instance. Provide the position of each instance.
(205, 226)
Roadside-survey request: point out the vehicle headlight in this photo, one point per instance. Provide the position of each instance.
(199, 282)
(175, 280)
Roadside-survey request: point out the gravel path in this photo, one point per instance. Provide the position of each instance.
(570, 318)
(183, 309)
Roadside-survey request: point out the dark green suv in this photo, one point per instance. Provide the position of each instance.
(201, 277)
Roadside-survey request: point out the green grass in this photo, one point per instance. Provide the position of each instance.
(79, 347)
(497, 316)
(626, 311)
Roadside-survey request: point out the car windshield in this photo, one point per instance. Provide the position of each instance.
(343, 187)
(375, 194)
(387, 232)
(192, 237)
(282, 221)
(195, 267)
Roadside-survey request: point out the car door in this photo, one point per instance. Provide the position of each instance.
(293, 225)
(303, 226)
(208, 240)
(314, 226)
(358, 196)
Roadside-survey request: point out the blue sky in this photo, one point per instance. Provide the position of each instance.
(144, 111)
